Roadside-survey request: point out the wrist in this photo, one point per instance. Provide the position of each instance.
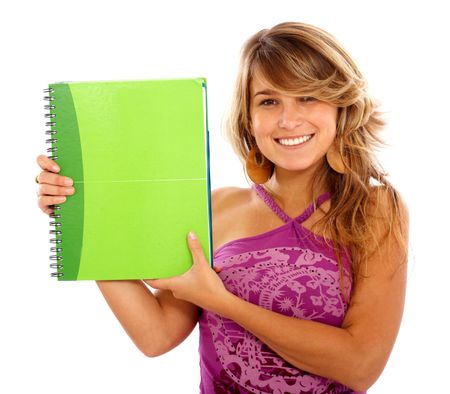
(223, 303)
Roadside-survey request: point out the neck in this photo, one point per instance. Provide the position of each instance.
(293, 189)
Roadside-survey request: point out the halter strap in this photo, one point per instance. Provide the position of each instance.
(271, 203)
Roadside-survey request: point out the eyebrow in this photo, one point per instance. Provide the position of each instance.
(266, 92)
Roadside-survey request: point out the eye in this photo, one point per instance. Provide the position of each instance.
(306, 99)
(267, 102)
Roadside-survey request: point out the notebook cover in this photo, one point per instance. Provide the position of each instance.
(139, 156)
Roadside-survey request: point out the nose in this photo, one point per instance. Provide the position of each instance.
(290, 117)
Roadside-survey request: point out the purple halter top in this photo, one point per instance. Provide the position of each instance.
(288, 270)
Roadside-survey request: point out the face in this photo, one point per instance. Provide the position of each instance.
(294, 132)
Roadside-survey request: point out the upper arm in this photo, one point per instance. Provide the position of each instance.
(180, 317)
(378, 296)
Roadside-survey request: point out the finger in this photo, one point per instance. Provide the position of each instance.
(45, 202)
(54, 179)
(217, 269)
(160, 284)
(47, 164)
(51, 190)
(48, 211)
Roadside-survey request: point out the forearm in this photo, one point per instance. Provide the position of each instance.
(140, 314)
(318, 348)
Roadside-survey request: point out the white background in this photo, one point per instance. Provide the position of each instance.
(62, 337)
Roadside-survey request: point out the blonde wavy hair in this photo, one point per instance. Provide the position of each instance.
(302, 59)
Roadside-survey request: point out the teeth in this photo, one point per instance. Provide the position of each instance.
(294, 141)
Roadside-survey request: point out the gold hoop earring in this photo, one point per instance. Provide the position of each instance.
(259, 168)
(335, 160)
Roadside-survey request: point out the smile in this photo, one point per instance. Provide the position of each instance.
(294, 141)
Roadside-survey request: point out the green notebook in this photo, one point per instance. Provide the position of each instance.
(139, 156)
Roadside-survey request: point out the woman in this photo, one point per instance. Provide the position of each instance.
(310, 261)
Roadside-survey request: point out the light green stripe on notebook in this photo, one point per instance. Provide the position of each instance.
(144, 177)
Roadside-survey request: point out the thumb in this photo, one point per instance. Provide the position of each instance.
(195, 247)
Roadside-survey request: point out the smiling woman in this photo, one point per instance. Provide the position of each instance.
(293, 132)
(308, 289)
(296, 80)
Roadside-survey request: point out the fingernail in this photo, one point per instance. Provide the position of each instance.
(70, 190)
(192, 235)
(60, 200)
(68, 182)
(55, 169)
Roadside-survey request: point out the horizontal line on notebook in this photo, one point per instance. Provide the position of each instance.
(146, 180)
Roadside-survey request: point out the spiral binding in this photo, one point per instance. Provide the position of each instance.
(56, 225)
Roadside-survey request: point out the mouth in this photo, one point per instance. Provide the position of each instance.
(294, 141)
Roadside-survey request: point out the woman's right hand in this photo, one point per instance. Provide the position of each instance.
(52, 188)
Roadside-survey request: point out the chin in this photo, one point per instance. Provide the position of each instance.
(298, 167)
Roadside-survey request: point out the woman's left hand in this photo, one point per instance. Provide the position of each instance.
(200, 285)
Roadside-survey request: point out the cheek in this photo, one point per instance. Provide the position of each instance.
(326, 119)
(332, 115)
(260, 125)
(326, 122)
(328, 133)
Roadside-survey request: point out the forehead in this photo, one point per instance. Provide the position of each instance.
(259, 83)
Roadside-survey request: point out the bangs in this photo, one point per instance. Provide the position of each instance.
(299, 69)
(289, 66)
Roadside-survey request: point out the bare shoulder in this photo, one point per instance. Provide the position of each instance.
(225, 198)
(389, 224)
(231, 208)
(385, 203)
